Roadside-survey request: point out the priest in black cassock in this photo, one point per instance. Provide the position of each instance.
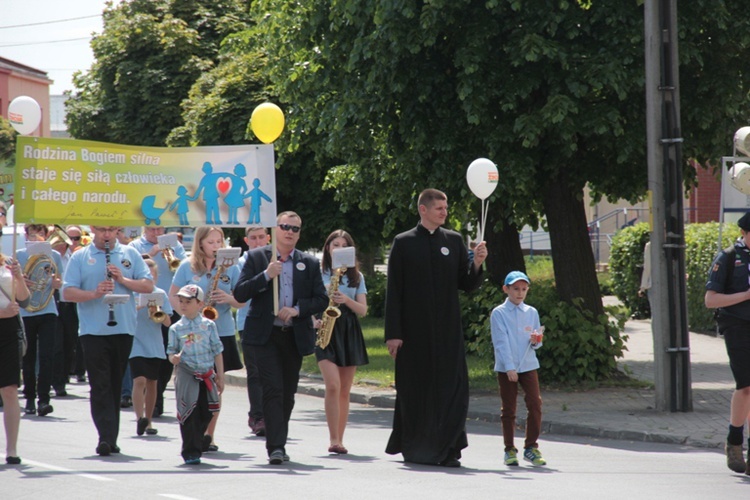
(426, 268)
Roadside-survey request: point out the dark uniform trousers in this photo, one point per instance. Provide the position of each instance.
(40, 334)
(278, 363)
(106, 358)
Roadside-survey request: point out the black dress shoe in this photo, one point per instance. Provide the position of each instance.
(45, 409)
(450, 462)
(60, 393)
(115, 448)
(12, 460)
(103, 449)
(126, 402)
(30, 408)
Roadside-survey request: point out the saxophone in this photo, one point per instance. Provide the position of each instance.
(210, 312)
(332, 312)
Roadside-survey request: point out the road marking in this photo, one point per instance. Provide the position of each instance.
(67, 471)
(176, 497)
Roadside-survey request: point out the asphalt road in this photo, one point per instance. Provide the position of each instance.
(59, 462)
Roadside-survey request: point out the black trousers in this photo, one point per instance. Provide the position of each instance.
(165, 368)
(106, 359)
(254, 387)
(40, 333)
(194, 427)
(278, 363)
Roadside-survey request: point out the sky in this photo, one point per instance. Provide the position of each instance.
(59, 48)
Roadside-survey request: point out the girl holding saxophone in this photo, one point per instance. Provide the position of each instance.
(217, 282)
(339, 360)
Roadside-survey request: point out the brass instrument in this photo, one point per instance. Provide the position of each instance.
(40, 269)
(172, 261)
(332, 312)
(155, 312)
(112, 321)
(210, 312)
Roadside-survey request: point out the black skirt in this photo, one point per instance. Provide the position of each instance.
(230, 354)
(347, 346)
(145, 367)
(10, 362)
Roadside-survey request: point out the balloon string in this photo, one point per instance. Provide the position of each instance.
(485, 206)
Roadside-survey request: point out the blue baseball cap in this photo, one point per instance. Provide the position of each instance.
(514, 276)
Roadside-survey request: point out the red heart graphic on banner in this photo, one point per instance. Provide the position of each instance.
(223, 186)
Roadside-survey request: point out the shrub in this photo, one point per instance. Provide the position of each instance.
(375, 283)
(701, 242)
(626, 267)
(577, 347)
(701, 246)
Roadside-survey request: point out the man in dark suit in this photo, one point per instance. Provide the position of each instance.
(278, 342)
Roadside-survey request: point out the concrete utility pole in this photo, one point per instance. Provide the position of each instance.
(668, 291)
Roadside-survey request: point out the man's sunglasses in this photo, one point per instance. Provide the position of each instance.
(289, 227)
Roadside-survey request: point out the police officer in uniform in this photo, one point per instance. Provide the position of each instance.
(728, 290)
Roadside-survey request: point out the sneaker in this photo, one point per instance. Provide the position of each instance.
(276, 457)
(511, 457)
(534, 456)
(735, 460)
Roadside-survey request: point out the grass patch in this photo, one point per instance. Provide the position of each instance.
(482, 379)
(380, 370)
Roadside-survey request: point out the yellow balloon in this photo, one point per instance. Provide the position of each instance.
(267, 122)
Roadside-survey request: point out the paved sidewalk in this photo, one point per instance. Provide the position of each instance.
(616, 413)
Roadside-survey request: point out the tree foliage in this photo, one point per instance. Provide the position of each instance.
(7, 143)
(146, 59)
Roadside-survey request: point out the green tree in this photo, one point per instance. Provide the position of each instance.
(217, 111)
(7, 143)
(410, 92)
(146, 59)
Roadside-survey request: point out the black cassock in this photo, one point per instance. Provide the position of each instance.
(425, 272)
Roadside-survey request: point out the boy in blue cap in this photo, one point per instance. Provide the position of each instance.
(516, 334)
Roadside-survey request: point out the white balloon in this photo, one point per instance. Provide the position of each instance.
(24, 114)
(482, 177)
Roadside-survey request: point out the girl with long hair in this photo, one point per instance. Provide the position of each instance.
(346, 351)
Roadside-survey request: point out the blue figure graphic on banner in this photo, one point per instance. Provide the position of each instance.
(235, 198)
(212, 185)
(256, 198)
(180, 205)
(150, 212)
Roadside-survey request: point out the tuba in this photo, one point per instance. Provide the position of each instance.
(40, 269)
(332, 312)
(172, 261)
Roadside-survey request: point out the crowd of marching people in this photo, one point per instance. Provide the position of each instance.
(128, 316)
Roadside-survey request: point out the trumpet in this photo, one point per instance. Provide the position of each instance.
(155, 312)
(172, 261)
(112, 321)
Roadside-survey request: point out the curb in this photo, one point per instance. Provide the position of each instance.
(312, 385)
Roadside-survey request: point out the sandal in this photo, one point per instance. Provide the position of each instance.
(337, 448)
